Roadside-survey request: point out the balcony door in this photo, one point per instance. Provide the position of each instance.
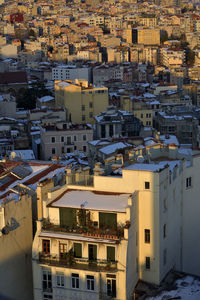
(67, 217)
(92, 252)
(46, 246)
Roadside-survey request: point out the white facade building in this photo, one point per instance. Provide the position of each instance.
(71, 72)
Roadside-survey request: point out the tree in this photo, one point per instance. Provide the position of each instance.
(190, 57)
(163, 36)
(27, 98)
(31, 33)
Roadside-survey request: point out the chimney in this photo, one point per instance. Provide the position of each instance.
(70, 178)
(97, 169)
(39, 202)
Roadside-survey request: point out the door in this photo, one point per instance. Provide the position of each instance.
(111, 287)
(46, 246)
(92, 252)
(67, 217)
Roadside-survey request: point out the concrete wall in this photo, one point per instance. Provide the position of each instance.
(15, 252)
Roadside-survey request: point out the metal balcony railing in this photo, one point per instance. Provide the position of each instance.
(77, 263)
(111, 233)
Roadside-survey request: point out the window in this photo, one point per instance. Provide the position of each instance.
(84, 137)
(62, 139)
(46, 280)
(84, 148)
(77, 250)
(83, 118)
(147, 236)
(68, 140)
(91, 115)
(148, 263)
(60, 279)
(90, 104)
(170, 177)
(92, 252)
(137, 265)
(47, 297)
(68, 150)
(46, 246)
(164, 257)
(90, 282)
(63, 149)
(83, 107)
(75, 281)
(188, 182)
(165, 204)
(141, 115)
(53, 139)
(75, 138)
(147, 185)
(164, 231)
(111, 285)
(62, 250)
(110, 253)
(53, 150)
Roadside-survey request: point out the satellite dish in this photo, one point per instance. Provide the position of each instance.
(140, 159)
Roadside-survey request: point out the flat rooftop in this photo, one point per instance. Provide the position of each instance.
(93, 200)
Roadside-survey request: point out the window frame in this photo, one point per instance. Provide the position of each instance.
(47, 281)
(46, 246)
(76, 280)
(60, 276)
(53, 137)
(91, 282)
(147, 263)
(164, 231)
(188, 182)
(147, 236)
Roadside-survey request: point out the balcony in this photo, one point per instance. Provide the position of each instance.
(71, 262)
(89, 231)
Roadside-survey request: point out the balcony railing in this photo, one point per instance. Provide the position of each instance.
(77, 263)
(111, 233)
(86, 180)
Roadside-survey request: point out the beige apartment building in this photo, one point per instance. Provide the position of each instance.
(82, 101)
(56, 140)
(98, 235)
(140, 109)
(146, 36)
(16, 237)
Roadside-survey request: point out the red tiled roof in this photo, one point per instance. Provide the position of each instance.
(37, 177)
(13, 77)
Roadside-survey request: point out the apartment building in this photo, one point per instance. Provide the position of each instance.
(61, 138)
(16, 234)
(184, 125)
(139, 108)
(71, 72)
(118, 54)
(97, 236)
(146, 36)
(107, 72)
(144, 54)
(172, 57)
(115, 123)
(82, 100)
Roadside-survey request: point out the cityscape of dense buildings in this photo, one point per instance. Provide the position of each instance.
(99, 148)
